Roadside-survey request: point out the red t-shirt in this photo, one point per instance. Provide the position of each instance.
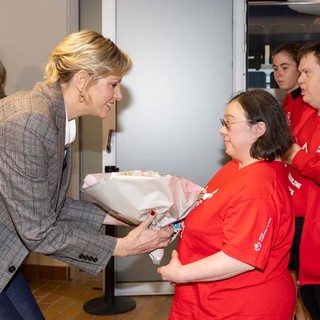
(249, 217)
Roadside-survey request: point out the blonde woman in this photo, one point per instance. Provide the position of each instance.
(37, 128)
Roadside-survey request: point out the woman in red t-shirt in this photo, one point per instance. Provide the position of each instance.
(233, 254)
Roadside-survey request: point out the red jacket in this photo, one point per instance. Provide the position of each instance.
(304, 177)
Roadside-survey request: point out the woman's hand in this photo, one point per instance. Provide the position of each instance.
(288, 156)
(216, 267)
(143, 240)
(170, 272)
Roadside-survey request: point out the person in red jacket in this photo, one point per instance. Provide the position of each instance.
(303, 161)
(234, 250)
(286, 73)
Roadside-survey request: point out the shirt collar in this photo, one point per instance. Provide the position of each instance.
(70, 130)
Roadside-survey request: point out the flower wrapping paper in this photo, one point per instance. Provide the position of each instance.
(132, 195)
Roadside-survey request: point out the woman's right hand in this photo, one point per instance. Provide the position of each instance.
(288, 156)
(142, 239)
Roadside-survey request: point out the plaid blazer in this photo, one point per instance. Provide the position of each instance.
(35, 214)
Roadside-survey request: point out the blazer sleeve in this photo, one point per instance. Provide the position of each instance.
(31, 172)
(84, 215)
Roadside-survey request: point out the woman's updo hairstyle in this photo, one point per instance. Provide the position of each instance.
(89, 51)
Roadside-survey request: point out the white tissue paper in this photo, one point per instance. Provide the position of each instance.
(131, 196)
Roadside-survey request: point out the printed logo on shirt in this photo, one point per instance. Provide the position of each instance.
(258, 245)
(305, 147)
(206, 196)
(209, 195)
(293, 181)
(291, 191)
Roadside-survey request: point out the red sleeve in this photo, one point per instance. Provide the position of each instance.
(308, 165)
(248, 232)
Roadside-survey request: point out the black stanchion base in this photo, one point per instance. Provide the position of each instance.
(100, 306)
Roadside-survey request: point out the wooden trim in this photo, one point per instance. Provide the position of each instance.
(40, 272)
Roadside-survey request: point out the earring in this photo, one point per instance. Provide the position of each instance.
(81, 96)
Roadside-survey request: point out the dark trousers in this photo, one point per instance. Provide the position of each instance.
(311, 298)
(17, 301)
(310, 294)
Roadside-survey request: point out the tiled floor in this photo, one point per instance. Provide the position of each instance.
(64, 300)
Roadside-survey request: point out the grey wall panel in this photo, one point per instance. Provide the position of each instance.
(168, 120)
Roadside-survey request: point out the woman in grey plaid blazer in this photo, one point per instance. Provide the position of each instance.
(83, 77)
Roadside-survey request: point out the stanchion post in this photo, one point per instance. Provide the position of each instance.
(109, 304)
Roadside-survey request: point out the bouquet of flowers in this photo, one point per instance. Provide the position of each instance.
(131, 195)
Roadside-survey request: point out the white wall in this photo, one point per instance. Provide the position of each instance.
(29, 30)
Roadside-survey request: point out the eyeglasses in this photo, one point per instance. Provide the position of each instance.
(227, 124)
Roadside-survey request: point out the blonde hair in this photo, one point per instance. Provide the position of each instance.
(89, 51)
(3, 76)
